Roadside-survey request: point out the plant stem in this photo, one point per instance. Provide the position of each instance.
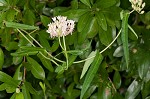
(102, 50)
(65, 51)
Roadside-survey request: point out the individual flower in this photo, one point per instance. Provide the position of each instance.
(60, 26)
(138, 5)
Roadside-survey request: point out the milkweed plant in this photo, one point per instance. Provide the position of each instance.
(86, 49)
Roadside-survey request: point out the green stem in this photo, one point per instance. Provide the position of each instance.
(100, 51)
(60, 43)
(35, 46)
(65, 51)
(41, 45)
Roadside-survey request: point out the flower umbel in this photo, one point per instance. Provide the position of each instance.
(138, 5)
(60, 26)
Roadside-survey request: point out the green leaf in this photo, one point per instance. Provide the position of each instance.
(28, 15)
(25, 92)
(91, 73)
(20, 26)
(36, 69)
(93, 28)
(89, 92)
(44, 42)
(9, 88)
(20, 96)
(46, 63)
(83, 20)
(17, 60)
(45, 20)
(1, 59)
(105, 36)
(83, 34)
(124, 36)
(86, 2)
(118, 52)
(70, 89)
(104, 92)
(8, 79)
(18, 74)
(12, 46)
(133, 90)
(24, 53)
(133, 31)
(75, 14)
(6, 36)
(10, 15)
(101, 20)
(31, 48)
(30, 88)
(105, 3)
(54, 46)
(117, 80)
(88, 63)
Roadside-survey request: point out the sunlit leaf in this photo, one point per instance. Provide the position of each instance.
(1, 59)
(124, 36)
(91, 73)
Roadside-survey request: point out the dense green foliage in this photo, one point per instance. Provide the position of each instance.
(106, 57)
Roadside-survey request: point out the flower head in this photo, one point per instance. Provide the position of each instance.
(138, 5)
(60, 26)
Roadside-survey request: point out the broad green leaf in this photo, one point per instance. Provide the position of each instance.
(9, 88)
(133, 90)
(28, 15)
(20, 26)
(8, 79)
(117, 80)
(71, 59)
(88, 63)
(145, 90)
(101, 20)
(6, 36)
(44, 42)
(147, 97)
(1, 59)
(17, 60)
(45, 20)
(12, 46)
(91, 73)
(118, 52)
(36, 69)
(124, 36)
(86, 2)
(105, 36)
(83, 34)
(75, 14)
(105, 3)
(18, 75)
(25, 92)
(70, 89)
(46, 63)
(74, 4)
(10, 15)
(20, 96)
(93, 28)
(54, 46)
(30, 88)
(83, 20)
(13, 96)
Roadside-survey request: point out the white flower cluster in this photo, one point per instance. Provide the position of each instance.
(60, 26)
(138, 5)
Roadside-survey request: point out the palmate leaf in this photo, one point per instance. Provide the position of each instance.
(124, 36)
(91, 73)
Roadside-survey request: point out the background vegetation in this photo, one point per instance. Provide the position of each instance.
(108, 50)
